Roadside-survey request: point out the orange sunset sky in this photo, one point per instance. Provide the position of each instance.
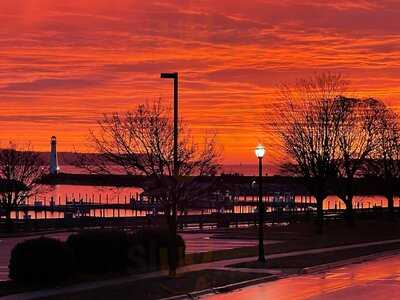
(64, 63)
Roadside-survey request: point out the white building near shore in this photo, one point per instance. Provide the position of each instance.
(54, 168)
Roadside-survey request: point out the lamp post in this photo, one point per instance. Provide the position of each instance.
(174, 76)
(173, 261)
(260, 152)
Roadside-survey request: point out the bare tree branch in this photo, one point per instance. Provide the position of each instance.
(308, 127)
(21, 170)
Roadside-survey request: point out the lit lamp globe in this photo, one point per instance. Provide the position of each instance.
(260, 151)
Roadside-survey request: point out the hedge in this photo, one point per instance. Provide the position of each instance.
(41, 261)
(46, 260)
(100, 251)
(152, 247)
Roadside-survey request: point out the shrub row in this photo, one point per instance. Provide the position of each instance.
(152, 249)
(100, 251)
(45, 260)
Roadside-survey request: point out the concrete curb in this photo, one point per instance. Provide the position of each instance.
(224, 288)
(324, 267)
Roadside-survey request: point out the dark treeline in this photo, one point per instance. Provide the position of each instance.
(332, 140)
(362, 185)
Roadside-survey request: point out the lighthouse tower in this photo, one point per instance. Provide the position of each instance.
(53, 157)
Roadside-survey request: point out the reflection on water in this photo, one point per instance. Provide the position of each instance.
(62, 194)
(359, 202)
(332, 202)
(87, 193)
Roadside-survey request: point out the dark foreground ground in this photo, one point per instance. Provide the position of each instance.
(298, 262)
(294, 237)
(161, 287)
(301, 236)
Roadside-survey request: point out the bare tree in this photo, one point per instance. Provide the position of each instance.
(20, 172)
(141, 142)
(357, 132)
(385, 159)
(308, 127)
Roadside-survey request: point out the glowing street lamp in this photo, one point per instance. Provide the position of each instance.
(260, 152)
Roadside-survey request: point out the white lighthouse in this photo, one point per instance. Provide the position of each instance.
(53, 157)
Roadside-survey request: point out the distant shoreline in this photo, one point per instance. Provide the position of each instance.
(238, 169)
(363, 186)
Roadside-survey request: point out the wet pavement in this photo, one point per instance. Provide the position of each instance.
(377, 280)
(201, 242)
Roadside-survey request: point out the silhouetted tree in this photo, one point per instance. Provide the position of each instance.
(308, 126)
(357, 140)
(141, 142)
(20, 172)
(385, 160)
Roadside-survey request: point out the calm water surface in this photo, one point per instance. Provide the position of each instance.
(61, 194)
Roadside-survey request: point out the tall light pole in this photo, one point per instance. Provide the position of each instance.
(174, 76)
(260, 152)
(173, 262)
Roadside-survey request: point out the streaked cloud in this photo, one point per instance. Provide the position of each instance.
(64, 63)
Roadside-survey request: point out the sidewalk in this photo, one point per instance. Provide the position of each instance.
(23, 234)
(212, 265)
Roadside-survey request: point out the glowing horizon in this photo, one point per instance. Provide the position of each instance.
(64, 64)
